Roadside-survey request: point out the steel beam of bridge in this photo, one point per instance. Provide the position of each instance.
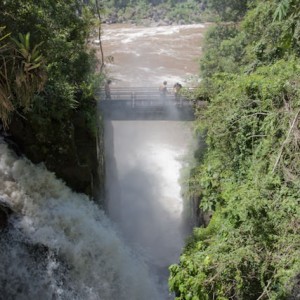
(145, 104)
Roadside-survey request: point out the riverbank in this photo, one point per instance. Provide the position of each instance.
(147, 14)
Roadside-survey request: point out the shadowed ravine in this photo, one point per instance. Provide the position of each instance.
(144, 159)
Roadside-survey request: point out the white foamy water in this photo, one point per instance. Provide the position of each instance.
(127, 35)
(144, 161)
(61, 245)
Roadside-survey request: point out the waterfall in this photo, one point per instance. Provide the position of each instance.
(144, 166)
(59, 244)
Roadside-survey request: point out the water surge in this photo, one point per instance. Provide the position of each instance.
(59, 244)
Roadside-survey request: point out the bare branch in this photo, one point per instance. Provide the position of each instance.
(265, 291)
(99, 35)
(286, 141)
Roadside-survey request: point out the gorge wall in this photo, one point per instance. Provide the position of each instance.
(69, 148)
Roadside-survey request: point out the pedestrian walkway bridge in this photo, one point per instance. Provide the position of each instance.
(144, 103)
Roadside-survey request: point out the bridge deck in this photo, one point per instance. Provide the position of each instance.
(146, 104)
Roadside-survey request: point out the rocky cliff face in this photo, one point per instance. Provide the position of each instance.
(68, 147)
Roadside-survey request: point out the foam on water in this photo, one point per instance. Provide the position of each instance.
(61, 245)
(127, 35)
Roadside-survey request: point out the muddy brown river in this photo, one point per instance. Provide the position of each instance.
(146, 56)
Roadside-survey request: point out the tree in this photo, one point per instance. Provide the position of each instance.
(289, 10)
(229, 10)
(61, 32)
(249, 177)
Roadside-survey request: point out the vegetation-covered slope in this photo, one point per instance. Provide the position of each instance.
(47, 86)
(156, 11)
(250, 174)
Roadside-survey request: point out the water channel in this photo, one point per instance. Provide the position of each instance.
(145, 159)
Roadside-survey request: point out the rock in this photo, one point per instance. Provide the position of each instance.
(5, 212)
(112, 19)
(68, 148)
(153, 24)
(167, 21)
(162, 23)
(155, 18)
(96, 42)
(145, 22)
(12, 145)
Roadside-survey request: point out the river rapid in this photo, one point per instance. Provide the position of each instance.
(60, 245)
(147, 56)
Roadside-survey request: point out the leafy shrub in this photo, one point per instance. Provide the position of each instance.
(250, 176)
(60, 28)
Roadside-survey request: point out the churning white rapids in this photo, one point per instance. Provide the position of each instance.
(61, 245)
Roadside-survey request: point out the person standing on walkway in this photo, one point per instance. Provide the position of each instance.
(176, 89)
(163, 89)
(107, 90)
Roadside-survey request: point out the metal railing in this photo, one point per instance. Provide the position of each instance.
(146, 103)
(144, 96)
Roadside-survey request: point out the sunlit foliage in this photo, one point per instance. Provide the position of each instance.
(249, 177)
(59, 29)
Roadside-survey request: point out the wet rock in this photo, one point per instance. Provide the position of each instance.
(195, 215)
(5, 212)
(113, 18)
(12, 145)
(70, 150)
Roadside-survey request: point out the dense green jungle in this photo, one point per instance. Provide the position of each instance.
(48, 80)
(248, 179)
(162, 12)
(249, 176)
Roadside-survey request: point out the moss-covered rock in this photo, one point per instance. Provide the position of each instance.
(68, 147)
